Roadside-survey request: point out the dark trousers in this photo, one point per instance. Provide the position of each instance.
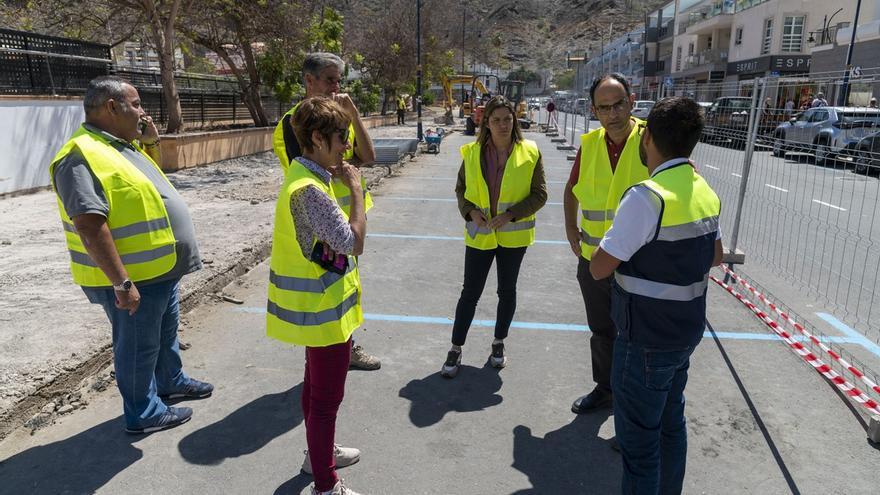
(322, 393)
(401, 114)
(597, 300)
(649, 416)
(477, 263)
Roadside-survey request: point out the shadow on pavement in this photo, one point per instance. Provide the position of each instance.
(295, 485)
(572, 459)
(245, 430)
(82, 463)
(474, 389)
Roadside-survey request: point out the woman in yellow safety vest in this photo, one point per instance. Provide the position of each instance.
(500, 188)
(314, 289)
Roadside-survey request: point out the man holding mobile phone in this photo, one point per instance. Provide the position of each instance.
(131, 240)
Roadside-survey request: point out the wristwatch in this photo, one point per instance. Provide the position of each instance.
(123, 286)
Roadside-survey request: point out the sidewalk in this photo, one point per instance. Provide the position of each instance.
(52, 338)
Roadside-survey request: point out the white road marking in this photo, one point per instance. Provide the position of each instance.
(771, 186)
(736, 175)
(710, 166)
(829, 205)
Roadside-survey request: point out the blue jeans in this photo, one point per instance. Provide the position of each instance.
(146, 352)
(648, 386)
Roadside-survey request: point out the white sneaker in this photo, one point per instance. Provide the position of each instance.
(338, 489)
(345, 456)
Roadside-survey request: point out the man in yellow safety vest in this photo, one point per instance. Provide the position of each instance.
(606, 165)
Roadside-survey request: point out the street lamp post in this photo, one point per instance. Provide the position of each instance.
(461, 102)
(844, 89)
(419, 70)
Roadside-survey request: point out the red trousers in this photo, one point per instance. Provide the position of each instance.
(323, 389)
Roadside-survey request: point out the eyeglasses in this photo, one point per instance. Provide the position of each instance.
(618, 107)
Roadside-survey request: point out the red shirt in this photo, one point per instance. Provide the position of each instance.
(494, 164)
(614, 152)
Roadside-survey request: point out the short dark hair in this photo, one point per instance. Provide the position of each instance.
(675, 124)
(317, 113)
(101, 89)
(617, 76)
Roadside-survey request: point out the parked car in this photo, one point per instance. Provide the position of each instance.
(866, 156)
(642, 108)
(827, 132)
(727, 119)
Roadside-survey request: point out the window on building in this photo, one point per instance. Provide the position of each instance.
(678, 59)
(738, 38)
(793, 34)
(768, 36)
(691, 49)
(709, 43)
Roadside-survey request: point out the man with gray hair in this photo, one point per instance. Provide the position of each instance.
(131, 240)
(322, 75)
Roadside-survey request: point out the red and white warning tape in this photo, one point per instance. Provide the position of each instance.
(837, 357)
(840, 382)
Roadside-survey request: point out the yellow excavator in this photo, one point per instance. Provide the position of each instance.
(473, 105)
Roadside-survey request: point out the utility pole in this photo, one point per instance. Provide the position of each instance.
(419, 70)
(844, 89)
(463, 20)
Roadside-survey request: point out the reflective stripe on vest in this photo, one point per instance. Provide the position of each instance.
(137, 218)
(307, 305)
(659, 290)
(598, 190)
(310, 319)
(688, 230)
(516, 185)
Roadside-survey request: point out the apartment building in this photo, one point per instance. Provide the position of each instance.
(622, 54)
(658, 48)
(830, 43)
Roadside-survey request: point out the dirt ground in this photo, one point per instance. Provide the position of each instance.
(52, 338)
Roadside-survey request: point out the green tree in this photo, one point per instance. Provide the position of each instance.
(564, 79)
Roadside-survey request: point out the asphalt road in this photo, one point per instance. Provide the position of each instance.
(760, 421)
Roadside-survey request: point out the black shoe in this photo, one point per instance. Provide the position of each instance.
(595, 400)
(497, 359)
(452, 364)
(173, 416)
(193, 389)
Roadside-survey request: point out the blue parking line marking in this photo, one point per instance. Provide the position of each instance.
(443, 238)
(456, 178)
(564, 327)
(850, 333)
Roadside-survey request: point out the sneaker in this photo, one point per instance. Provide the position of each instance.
(193, 389)
(497, 359)
(173, 416)
(345, 456)
(363, 361)
(452, 364)
(338, 489)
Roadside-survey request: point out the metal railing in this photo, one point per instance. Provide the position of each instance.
(704, 58)
(800, 189)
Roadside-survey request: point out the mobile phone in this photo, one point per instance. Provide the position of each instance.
(142, 126)
(338, 265)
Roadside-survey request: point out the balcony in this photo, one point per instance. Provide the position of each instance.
(826, 36)
(666, 31)
(705, 58)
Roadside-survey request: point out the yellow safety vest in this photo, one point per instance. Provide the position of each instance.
(516, 184)
(308, 305)
(401, 103)
(343, 193)
(598, 190)
(137, 218)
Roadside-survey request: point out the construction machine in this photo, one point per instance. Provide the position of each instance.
(474, 104)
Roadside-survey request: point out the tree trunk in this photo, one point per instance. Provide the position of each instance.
(255, 108)
(255, 101)
(162, 31)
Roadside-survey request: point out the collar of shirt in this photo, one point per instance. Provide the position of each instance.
(107, 135)
(316, 169)
(614, 148)
(669, 163)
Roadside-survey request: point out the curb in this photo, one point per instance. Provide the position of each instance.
(72, 380)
